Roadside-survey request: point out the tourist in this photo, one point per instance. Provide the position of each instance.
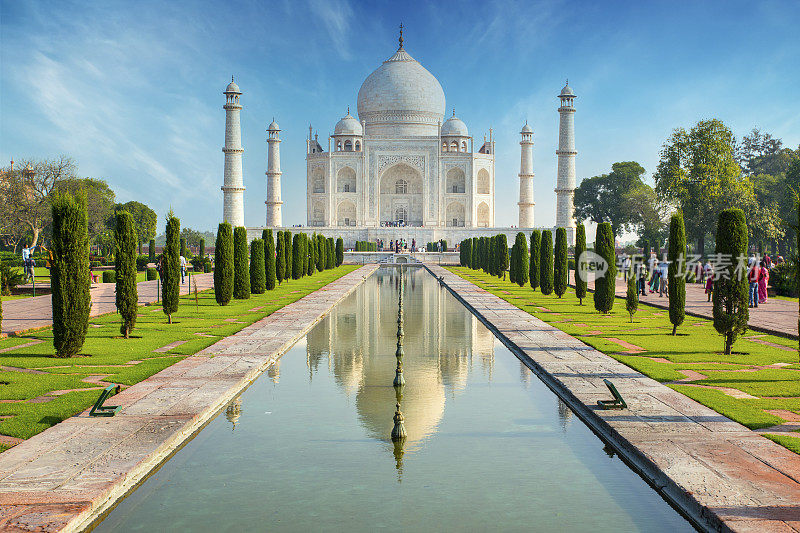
(709, 273)
(663, 274)
(753, 273)
(763, 280)
(183, 268)
(642, 281)
(654, 280)
(413, 245)
(626, 266)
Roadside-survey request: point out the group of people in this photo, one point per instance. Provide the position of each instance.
(656, 283)
(757, 278)
(393, 224)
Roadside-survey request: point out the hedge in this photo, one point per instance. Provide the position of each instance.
(258, 282)
(241, 270)
(170, 272)
(223, 264)
(152, 274)
(127, 295)
(546, 263)
(109, 276)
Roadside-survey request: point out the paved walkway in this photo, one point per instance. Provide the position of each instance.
(66, 476)
(720, 473)
(36, 313)
(776, 316)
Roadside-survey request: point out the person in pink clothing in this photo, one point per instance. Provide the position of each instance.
(763, 280)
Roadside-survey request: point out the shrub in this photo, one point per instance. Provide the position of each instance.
(152, 274)
(676, 287)
(580, 248)
(339, 251)
(269, 260)
(288, 253)
(241, 271)
(536, 258)
(605, 285)
(95, 264)
(184, 249)
(311, 245)
(546, 263)
(330, 258)
(151, 251)
(296, 261)
(257, 273)
(632, 297)
(109, 276)
(207, 267)
(444, 245)
(10, 276)
(223, 264)
(69, 277)
(127, 297)
(730, 285)
(171, 271)
(473, 248)
(560, 271)
(784, 279)
(280, 258)
(521, 262)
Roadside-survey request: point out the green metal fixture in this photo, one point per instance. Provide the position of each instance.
(616, 403)
(98, 409)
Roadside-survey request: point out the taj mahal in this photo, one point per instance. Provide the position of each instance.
(402, 169)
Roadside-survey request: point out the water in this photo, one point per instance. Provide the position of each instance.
(307, 446)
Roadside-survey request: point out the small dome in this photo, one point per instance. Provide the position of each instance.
(348, 125)
(274, 126)
(454, 127)
(232, 87)
(567, 90)
(527, 129)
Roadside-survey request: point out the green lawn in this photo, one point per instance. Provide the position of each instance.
(697, 347)
(125, 361)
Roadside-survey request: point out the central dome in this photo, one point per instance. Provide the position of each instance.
(401, 92)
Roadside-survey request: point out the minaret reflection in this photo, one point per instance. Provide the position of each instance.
(442, 343)
(234, 411)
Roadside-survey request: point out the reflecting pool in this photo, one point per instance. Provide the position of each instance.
(307, 446)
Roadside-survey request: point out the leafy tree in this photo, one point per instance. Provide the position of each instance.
(613, 197)
(145, 219)
(69, 276)
(99, 201)
(521, 262)
(339, 251)
(280, 258)
(560, 270)
(288, 250)
(297, 262)
(269, 258)
(241, 270)
(257, 273)
(546, 263)
(676, 287)
(698, 172)
(580, 248)
(534, 267)
(730, 287)
(127, 297)
(171, 269)
(605, 286)
(632, 297)
(223, 264)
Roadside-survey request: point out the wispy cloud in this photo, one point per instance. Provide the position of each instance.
(336, 17)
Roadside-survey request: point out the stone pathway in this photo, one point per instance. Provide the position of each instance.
(66, 476)
(720, 473)
(36, 313)
(778, 317)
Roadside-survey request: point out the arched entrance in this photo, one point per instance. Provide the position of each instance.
(401, 198)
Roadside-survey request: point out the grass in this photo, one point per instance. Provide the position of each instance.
(113, 359)
(697, 347)
(793, 443)
(787, 298)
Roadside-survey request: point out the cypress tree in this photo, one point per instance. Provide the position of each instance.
(311, 255)
(202, 247)
(492, 263)
(605, 286)
(223, 264)
(632, 297)
(560, 270)
(241, 270)
(296, 261)
(280, 258)
(730, 287)
(512, 268)
(184, 249)
(289, 252)
(69, 276)
(171, 269)
(580, 248)
(331, 257)
(546, 263)
(258, 281)
(269, 260)
(676, 286)
(536, 259)
(503, 259)
(151, 251)
(339, 251)
(127, 297)
(522, 260)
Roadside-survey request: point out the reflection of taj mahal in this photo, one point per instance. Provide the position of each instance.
(400, 164)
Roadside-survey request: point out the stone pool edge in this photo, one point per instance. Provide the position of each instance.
(692, 482)
(38, 493)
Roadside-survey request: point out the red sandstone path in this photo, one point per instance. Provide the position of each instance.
(35, 313)
(775, 316)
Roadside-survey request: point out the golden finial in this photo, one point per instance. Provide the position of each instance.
(401, 35)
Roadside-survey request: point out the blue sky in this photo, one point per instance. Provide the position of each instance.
(133, 90)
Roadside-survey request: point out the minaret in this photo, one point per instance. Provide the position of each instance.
(526, 202)
(565, 182)
(274, 175)
(233, 187)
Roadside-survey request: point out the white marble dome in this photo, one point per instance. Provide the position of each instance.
(401, 91)
(232, 87)
(567, 91)
(454, 127)
(273, 126)
(527, 129)
(348, 125)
